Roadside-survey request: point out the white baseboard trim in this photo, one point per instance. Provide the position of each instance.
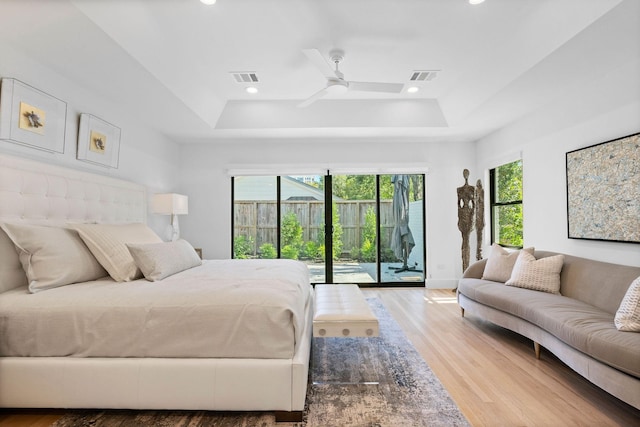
(441, 283)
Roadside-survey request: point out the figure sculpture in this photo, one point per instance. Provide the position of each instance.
(466, 212)
(479, 219)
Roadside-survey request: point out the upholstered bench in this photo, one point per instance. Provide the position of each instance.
(342, 311)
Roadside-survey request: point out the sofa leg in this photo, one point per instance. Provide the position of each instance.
(462, 311)
(288, 417)
(536, 348)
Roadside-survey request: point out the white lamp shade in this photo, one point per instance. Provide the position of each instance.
(170, 204)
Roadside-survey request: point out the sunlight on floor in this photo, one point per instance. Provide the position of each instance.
(441, 300)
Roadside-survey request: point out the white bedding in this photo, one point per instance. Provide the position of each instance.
(222, 309)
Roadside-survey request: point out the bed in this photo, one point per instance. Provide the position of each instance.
(242, 341)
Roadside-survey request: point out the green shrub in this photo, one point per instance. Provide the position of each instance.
(354, 253)
(321, 254)
(291, 231)
(243, 247)
(310, 250)
(368, 251)
(289, 252)
(268, 251)
(369, 227)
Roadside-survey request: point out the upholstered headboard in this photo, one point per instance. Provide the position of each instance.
(40, 193)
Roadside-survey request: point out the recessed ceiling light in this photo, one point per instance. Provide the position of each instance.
(252, 89)
(470, 1)
(208, 2)
(413, 89)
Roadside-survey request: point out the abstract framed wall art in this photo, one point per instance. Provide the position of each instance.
(98, 141)
(603, 191)
(31, 117)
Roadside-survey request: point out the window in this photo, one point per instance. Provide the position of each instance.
(376, 222)
(506, 204)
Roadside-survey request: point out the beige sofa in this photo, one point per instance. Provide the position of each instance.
(577, 325)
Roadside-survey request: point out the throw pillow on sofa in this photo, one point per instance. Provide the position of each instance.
(628, 315)
(537, 274)
(500, 263)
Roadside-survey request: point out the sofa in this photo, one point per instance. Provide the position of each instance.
(576, 322)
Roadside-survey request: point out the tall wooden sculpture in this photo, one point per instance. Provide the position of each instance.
(479, 218)
(466, 212)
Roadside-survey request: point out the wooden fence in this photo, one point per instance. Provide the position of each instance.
(258, 220)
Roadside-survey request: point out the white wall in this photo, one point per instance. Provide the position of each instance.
(205, 175)
(146, 156)
(601, 110)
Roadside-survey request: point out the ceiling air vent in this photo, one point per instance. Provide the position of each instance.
(245, 77)
(424, 75)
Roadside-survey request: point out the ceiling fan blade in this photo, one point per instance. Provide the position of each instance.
(376, 87)
(313, 98)
(320, 62)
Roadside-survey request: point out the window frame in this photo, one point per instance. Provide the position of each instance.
(493, 204)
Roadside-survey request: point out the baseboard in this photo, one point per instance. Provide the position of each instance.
(441, 283)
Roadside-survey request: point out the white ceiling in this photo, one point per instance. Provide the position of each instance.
(171, 59)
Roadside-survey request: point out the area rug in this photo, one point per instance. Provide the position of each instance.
(359, 382)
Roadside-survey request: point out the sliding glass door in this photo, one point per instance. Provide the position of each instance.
(355, 230)
(302, 236)
(402, 229)
(364, 229)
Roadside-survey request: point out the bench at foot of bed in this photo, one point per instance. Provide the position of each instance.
(342, 311)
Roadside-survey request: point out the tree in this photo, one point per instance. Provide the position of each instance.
(508, 198)
(291, 236)
(361, 187)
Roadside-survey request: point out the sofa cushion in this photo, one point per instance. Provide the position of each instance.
(600, 284)
(537, 274)
(582, 326)
(500, 263)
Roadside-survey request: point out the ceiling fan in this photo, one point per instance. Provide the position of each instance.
(336, 84)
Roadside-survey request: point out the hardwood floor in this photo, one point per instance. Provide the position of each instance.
(491, 373)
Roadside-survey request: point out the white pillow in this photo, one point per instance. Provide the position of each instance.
(628, 315)
(159, 260)
(500, 263)
(52, 256)
(108, 243)
(12, 274)
(537, 274)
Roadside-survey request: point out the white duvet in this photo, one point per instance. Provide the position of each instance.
(222, 309)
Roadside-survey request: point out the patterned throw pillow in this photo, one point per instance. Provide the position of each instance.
(160, 260)
(500, 263)
(537, 274)
(628, 315)
(108, 243)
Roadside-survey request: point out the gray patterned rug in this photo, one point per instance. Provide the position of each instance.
(345, 372)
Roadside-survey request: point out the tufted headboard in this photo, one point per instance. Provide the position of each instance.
(40, 193)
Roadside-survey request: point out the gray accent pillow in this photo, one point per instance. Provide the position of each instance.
(52, 256)
(160, 260)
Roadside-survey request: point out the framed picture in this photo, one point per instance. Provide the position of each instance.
(603, 181)
(31, 117)
(98, 141)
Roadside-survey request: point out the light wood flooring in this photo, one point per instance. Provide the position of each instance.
(491, 373)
